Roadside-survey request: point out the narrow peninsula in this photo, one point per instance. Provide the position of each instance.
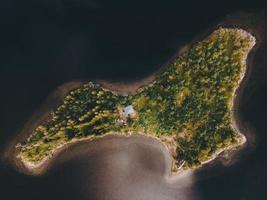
(188, 107)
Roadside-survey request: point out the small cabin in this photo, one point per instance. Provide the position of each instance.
(128, 111)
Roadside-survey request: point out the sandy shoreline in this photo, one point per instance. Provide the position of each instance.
(118, 88)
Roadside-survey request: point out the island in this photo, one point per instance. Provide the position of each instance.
(188, 106)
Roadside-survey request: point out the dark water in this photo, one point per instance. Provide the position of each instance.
(47, 43)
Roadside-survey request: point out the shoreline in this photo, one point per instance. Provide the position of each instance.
(231, 156)
(40, 168)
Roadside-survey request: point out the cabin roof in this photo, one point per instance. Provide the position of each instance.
(128, 110)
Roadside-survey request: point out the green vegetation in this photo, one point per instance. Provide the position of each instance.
(190, 102)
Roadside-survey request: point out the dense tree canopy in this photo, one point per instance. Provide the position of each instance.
(190, 102)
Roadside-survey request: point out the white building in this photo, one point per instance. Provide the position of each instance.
(128, 111)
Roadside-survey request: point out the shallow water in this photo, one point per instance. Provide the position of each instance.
(48, 43)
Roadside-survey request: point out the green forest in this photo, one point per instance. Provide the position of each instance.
(190, 102)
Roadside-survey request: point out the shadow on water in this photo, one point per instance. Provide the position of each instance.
(47, 43)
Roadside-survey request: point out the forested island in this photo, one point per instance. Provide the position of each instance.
(188, 107)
